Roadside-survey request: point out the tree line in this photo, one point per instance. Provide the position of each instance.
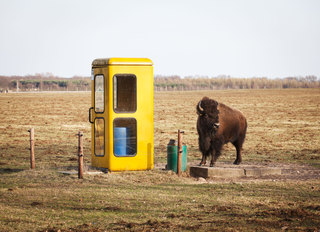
(171, 83)
(44, 82)
(48, 82)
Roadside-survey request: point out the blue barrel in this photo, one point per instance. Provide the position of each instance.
(121, 141)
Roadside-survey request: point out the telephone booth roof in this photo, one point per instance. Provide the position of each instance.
(122, 61)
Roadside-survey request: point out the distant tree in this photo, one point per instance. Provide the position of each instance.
(4, 82)
(311, 78)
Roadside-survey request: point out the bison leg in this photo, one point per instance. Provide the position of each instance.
(216, 151)
(203, 160)
(238, 146)
(213, 158)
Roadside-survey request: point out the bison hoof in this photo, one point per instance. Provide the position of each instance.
(236, 162)
(202, 164)
(211, 164)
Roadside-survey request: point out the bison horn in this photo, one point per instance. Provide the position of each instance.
(216, 125)
(201, 110)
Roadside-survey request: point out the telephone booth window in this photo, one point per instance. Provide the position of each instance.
(99, 136)
(124, 136)
(99, 94)
(125, 93)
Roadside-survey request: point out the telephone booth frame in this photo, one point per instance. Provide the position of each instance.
(122, 114)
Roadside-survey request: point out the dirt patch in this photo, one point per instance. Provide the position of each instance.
(80, 228)
(153, 225)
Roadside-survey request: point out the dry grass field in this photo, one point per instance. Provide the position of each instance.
(283, 130)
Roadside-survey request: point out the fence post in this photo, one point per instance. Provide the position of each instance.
(80, 155)
(179, 152)
(32, 159)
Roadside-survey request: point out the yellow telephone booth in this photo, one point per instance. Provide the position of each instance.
(122, 114)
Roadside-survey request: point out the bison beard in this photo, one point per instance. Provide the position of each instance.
(217, 125)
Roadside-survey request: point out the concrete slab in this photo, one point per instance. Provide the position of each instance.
(85, 173)
(94, 173)
(68, 172)
(233, 172)
(206, 172)
(256, 172)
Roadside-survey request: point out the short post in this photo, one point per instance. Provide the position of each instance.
(80, 155)
(32, 159)
(179, 152)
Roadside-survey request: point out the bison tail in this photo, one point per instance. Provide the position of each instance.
(245, 130)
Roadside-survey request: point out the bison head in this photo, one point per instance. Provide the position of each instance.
(208, 112)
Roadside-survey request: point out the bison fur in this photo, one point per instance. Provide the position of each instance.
(217, 125)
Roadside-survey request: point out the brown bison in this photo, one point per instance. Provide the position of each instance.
(217, 125)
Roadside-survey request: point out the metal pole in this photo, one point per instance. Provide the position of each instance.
(179, 152)
(80, 155)
(32, 159)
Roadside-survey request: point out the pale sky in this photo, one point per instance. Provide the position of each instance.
(240, 38)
